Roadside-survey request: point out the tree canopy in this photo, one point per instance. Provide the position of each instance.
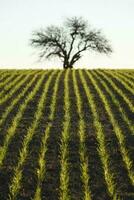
(70, 41)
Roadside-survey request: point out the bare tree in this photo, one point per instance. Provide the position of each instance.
(70, 41)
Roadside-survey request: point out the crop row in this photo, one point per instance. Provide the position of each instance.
(98, 115)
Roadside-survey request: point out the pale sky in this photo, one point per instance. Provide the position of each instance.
(18, 18)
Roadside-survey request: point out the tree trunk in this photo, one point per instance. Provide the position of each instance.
(67, 65)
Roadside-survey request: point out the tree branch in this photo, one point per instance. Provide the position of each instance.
(71, 45)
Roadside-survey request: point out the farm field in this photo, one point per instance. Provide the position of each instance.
(67, 134)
